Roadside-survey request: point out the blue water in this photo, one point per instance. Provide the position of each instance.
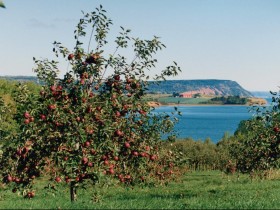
(201, 122)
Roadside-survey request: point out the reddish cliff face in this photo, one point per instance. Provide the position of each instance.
(210, 87)
(201, 91)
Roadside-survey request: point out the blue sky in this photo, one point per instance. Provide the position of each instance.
(210, 39)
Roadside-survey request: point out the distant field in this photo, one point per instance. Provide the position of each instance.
(197, 190)
(165, 100)
(169, 99)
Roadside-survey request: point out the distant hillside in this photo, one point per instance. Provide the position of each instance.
(211, 87)
(21, 78)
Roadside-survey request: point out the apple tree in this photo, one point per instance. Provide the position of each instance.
(258, 146)
(94, 122)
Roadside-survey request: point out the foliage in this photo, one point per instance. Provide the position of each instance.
(2, 4)
(8, 126)
(228, 100)
(258, 139)
(88, 126)
(200, 155)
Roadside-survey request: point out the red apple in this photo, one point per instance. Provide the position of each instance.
(9, 178)
(104, 157)
(84, 160)
(19, 151)
(30, 194)
(276, 129)
(57, 179)
(117, 114)
(52, 106)
(87, 144)
(25, 150)
(127, 145)
(118, 133)
(71, 56)
(127, 177)
(90, 131)
(43, 117)
(52, 88)
(117, 77)
(67, 179)
(135, 153)
(16, 180)
(153, 157)
(91, 94)
(26, 115)
(93, 152)
(26, 121)
(125, 107)
(111, 171)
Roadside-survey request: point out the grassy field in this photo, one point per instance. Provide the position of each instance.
(196, 190)
(166, 100)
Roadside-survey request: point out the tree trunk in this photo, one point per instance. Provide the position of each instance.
(73, 191)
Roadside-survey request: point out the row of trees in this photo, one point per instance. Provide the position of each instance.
(229, 100)
(201, 155)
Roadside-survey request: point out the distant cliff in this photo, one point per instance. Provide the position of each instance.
(204, 87)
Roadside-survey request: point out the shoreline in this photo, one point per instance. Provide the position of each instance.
(252, 102)
(177, 105)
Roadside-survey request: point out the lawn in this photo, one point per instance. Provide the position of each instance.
(210, 189)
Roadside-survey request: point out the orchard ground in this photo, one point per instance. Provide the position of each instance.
(202, 189)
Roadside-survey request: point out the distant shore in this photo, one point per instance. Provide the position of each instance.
(252, 101)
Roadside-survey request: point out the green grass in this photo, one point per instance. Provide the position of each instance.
(196, 190)
(165, 100)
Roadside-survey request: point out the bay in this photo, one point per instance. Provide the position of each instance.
(201, 122)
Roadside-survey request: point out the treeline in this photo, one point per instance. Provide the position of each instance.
(201, 155)
(228, 100)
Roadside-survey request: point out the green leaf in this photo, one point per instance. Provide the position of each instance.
(2, 4)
